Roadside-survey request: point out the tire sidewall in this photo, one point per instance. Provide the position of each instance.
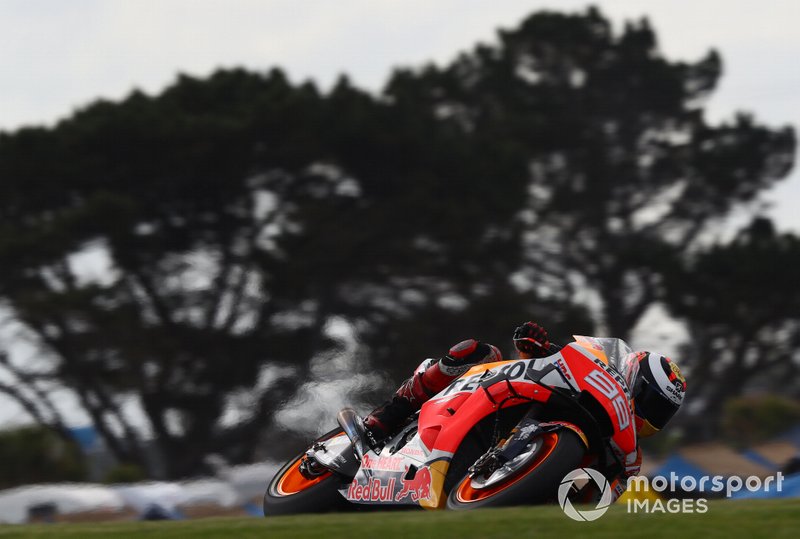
(540, 484)
(321, 497)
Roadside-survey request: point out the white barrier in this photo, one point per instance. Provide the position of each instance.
(235, 486)
(66, 497)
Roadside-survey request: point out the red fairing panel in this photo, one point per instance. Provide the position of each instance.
(447, 418)
(592, 375)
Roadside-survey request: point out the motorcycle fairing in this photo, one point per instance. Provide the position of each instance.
(415, 473)
(401, 474)
(480, 390)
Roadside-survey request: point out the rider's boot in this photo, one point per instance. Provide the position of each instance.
(386, 419)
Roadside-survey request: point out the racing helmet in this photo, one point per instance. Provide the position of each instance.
(658, 392)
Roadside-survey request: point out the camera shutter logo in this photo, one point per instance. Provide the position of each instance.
(566, 485)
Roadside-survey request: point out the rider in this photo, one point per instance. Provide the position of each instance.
(657, 391)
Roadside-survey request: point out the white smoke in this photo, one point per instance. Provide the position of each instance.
(335, 381)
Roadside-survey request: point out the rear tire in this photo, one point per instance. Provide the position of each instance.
(290, 492)
(536, 482)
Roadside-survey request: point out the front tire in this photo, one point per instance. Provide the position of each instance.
(291, 492)
(536, 481)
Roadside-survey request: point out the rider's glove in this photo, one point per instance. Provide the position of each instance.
(531, 339)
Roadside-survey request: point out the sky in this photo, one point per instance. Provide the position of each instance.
(56, 56)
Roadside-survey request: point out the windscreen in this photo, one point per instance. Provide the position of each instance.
(615, 353)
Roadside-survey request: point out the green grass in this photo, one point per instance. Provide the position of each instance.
(772, 519)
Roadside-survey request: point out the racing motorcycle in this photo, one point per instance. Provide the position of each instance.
(504, 433)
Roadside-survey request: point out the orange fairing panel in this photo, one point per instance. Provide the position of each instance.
(483, 367)
(594, 348)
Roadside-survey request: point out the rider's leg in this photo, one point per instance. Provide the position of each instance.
(431, 377)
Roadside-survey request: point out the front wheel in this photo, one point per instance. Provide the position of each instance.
(535, 479)
(294, 490)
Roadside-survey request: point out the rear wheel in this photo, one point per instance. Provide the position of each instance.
(535, 479)
(298, 489)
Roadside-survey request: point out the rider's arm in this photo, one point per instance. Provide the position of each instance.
(633, 466)
(553, 348)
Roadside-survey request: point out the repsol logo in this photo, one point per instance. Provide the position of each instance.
(614, 374)
(512, 371)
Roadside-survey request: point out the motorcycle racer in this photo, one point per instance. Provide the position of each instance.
(657, 391)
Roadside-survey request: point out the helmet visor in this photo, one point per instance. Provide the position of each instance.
(653, 406)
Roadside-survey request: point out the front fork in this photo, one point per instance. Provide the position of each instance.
(339, 454)
(524, 432)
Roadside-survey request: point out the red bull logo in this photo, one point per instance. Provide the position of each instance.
(418, 487)
(373, 491)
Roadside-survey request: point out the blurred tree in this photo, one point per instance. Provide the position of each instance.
(742, 305)
(750, 420)
(37, 455)
(125, 473)
(233, 219)
(608, 141)
(164, 193)
(240, 222)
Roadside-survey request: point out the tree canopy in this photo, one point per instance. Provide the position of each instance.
(565, 173)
